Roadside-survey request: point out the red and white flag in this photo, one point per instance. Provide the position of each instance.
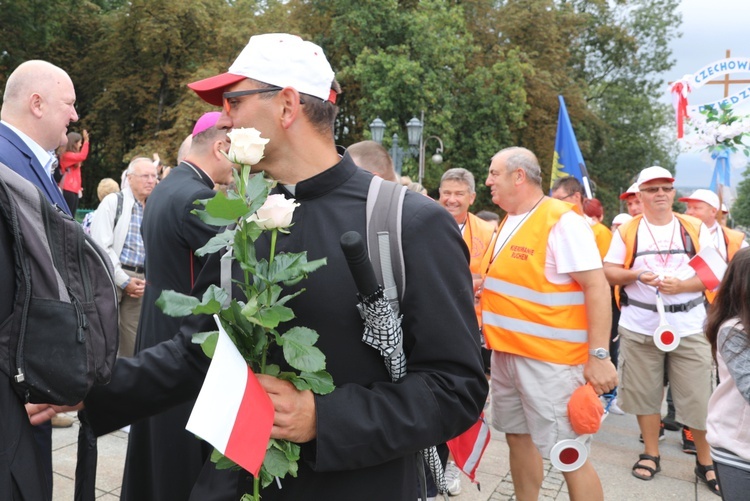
(233, 412)
(709, 266)
(468, 447)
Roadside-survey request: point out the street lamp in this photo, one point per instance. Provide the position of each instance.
(414, 128)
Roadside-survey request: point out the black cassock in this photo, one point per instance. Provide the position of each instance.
(369, 428)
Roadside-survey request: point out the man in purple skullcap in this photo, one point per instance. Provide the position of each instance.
(164, 460)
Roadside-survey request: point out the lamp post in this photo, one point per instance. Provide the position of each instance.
(414, 128)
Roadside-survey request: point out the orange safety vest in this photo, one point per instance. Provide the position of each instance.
(733, 240)
(478, 236)
(525, 314)
(603, 237)
(690, 228)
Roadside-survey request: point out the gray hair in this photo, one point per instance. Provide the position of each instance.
(521, 158)
(137, 160)
(461, 175)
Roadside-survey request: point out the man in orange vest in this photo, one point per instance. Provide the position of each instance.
(545, 307)
(704, 204)
(648, 259)
(457, 193)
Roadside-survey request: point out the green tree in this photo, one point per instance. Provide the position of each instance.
(741, 207)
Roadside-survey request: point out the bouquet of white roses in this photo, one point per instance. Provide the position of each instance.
(254, 321)
(718, 130)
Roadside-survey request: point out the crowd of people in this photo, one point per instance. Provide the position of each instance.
(512, 314)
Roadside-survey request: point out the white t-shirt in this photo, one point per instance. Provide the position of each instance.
(571, 246)
(651, 240)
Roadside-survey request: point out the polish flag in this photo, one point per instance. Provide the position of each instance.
(468, 447)
(233, 412)
(709, 266)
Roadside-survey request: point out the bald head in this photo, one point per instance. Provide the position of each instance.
(39, 100)
(517, 157)
(373, 157)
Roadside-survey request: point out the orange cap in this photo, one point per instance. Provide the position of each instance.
(585, 410)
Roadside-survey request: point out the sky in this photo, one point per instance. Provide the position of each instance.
(709, 28)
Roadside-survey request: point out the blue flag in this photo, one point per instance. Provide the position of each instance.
(568, 160)
(721, 171)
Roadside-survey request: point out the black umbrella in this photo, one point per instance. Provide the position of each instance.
(383, 329)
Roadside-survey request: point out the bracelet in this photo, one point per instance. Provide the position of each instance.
(638, 279)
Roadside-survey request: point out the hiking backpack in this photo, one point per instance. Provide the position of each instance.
(62, 336)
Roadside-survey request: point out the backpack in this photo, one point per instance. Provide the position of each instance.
(62, 336)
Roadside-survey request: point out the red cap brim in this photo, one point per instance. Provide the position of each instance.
(626, 195)
(211, 89)
(688, 199)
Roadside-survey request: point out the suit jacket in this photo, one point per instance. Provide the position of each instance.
(15, 154)
(164, 460)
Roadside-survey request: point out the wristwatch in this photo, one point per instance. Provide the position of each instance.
(599, 353)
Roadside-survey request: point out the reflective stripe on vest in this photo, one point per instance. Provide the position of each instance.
(543, 298)
(534, 329)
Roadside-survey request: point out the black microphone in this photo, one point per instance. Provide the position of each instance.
(359, 263)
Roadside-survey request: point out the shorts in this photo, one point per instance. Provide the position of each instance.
(531, 397)
(642, 366)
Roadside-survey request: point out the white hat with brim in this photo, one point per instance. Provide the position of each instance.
(621, 219)
(631, 191)
(277, 59)
(702, 195)
(652, 174)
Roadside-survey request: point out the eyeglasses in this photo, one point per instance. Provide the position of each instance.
(239, 93)
(567, 196)
(655, 189)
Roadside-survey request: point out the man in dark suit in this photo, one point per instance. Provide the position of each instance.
(164, 460)
(38, 105)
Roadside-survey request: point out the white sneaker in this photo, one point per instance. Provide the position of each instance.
(453, 479)
(614, 408)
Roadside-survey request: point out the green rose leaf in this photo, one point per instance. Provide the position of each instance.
(221, 208)
(299, 351)
(273, 370)
(272, 317)
(297, 381)
(276, 463)
(223, 240)
(208, 341)
(320, 382)
(222, 462)
(175, 304)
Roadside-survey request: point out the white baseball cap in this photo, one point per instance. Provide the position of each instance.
(631, 191)
(277, 59)
(653, 173)
(701, 195)
(724, 208)
(621, 219)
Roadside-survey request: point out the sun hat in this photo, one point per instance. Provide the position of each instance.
(585, 410)
(702, 195)
(277, 59)
(631, 191)
(653, 173)
(205, 122)
(621, 219)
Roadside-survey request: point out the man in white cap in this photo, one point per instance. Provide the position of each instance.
(650, 255)
(632, 202)
(359, 441)
(704, 204)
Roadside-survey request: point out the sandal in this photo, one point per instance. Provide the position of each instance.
(700, 472)
(652, 471)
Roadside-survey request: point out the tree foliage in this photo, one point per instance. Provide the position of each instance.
(486, 73)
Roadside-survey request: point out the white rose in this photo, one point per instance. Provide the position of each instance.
(276, 212)
(246, 146)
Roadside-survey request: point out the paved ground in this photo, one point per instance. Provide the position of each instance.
(614, 451)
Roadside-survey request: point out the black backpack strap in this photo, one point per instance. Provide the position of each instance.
(118, 212)
(385, 203)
